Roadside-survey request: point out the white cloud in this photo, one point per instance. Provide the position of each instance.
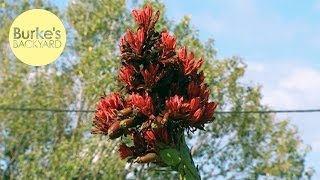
(286, 85)
(279, 99)
(303, 81)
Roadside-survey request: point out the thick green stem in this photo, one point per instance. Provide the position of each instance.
(180, 159)
(187, 168)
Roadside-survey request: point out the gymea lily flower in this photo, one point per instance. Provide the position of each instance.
(164, 95)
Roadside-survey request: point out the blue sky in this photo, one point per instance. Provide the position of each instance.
(280, 42)
(251, 28)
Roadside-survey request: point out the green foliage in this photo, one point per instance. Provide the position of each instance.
(37, 144)
(42, 145)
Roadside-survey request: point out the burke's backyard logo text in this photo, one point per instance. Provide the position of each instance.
(36, 38)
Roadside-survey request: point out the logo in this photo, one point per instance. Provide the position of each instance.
(37, 37)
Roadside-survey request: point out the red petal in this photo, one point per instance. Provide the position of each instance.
(149, 135)
(140, 35)
(129, 37)
(183, 53)
(135, 14)
(148, 11)
(125, 151)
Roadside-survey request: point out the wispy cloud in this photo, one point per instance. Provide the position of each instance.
(287, 84)
(304, 82)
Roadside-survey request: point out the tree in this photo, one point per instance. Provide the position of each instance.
(43, 144)
(37, 144)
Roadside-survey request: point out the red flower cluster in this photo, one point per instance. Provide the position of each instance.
(166, 92)
(189, 65)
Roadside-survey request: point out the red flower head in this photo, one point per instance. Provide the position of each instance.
(165, 93)
(142, 103)
(144, 16)
(107, 112)
(152, 75)
(135, 40)
(195, 104)
(201, 91)
(108, 105)
(208, 112)
(177, 107)
(201, 113)
(174, 104)
(168, 41)
(159, 134)
(196, 116)
(188, 62)
(125, 151)
(126, 75)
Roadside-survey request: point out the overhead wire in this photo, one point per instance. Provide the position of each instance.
(218, 112)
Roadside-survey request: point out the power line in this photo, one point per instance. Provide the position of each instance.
(217, 112)
(274, 111)
(44, 109)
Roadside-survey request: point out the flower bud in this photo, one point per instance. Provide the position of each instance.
(115, 131)
(150, 157)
